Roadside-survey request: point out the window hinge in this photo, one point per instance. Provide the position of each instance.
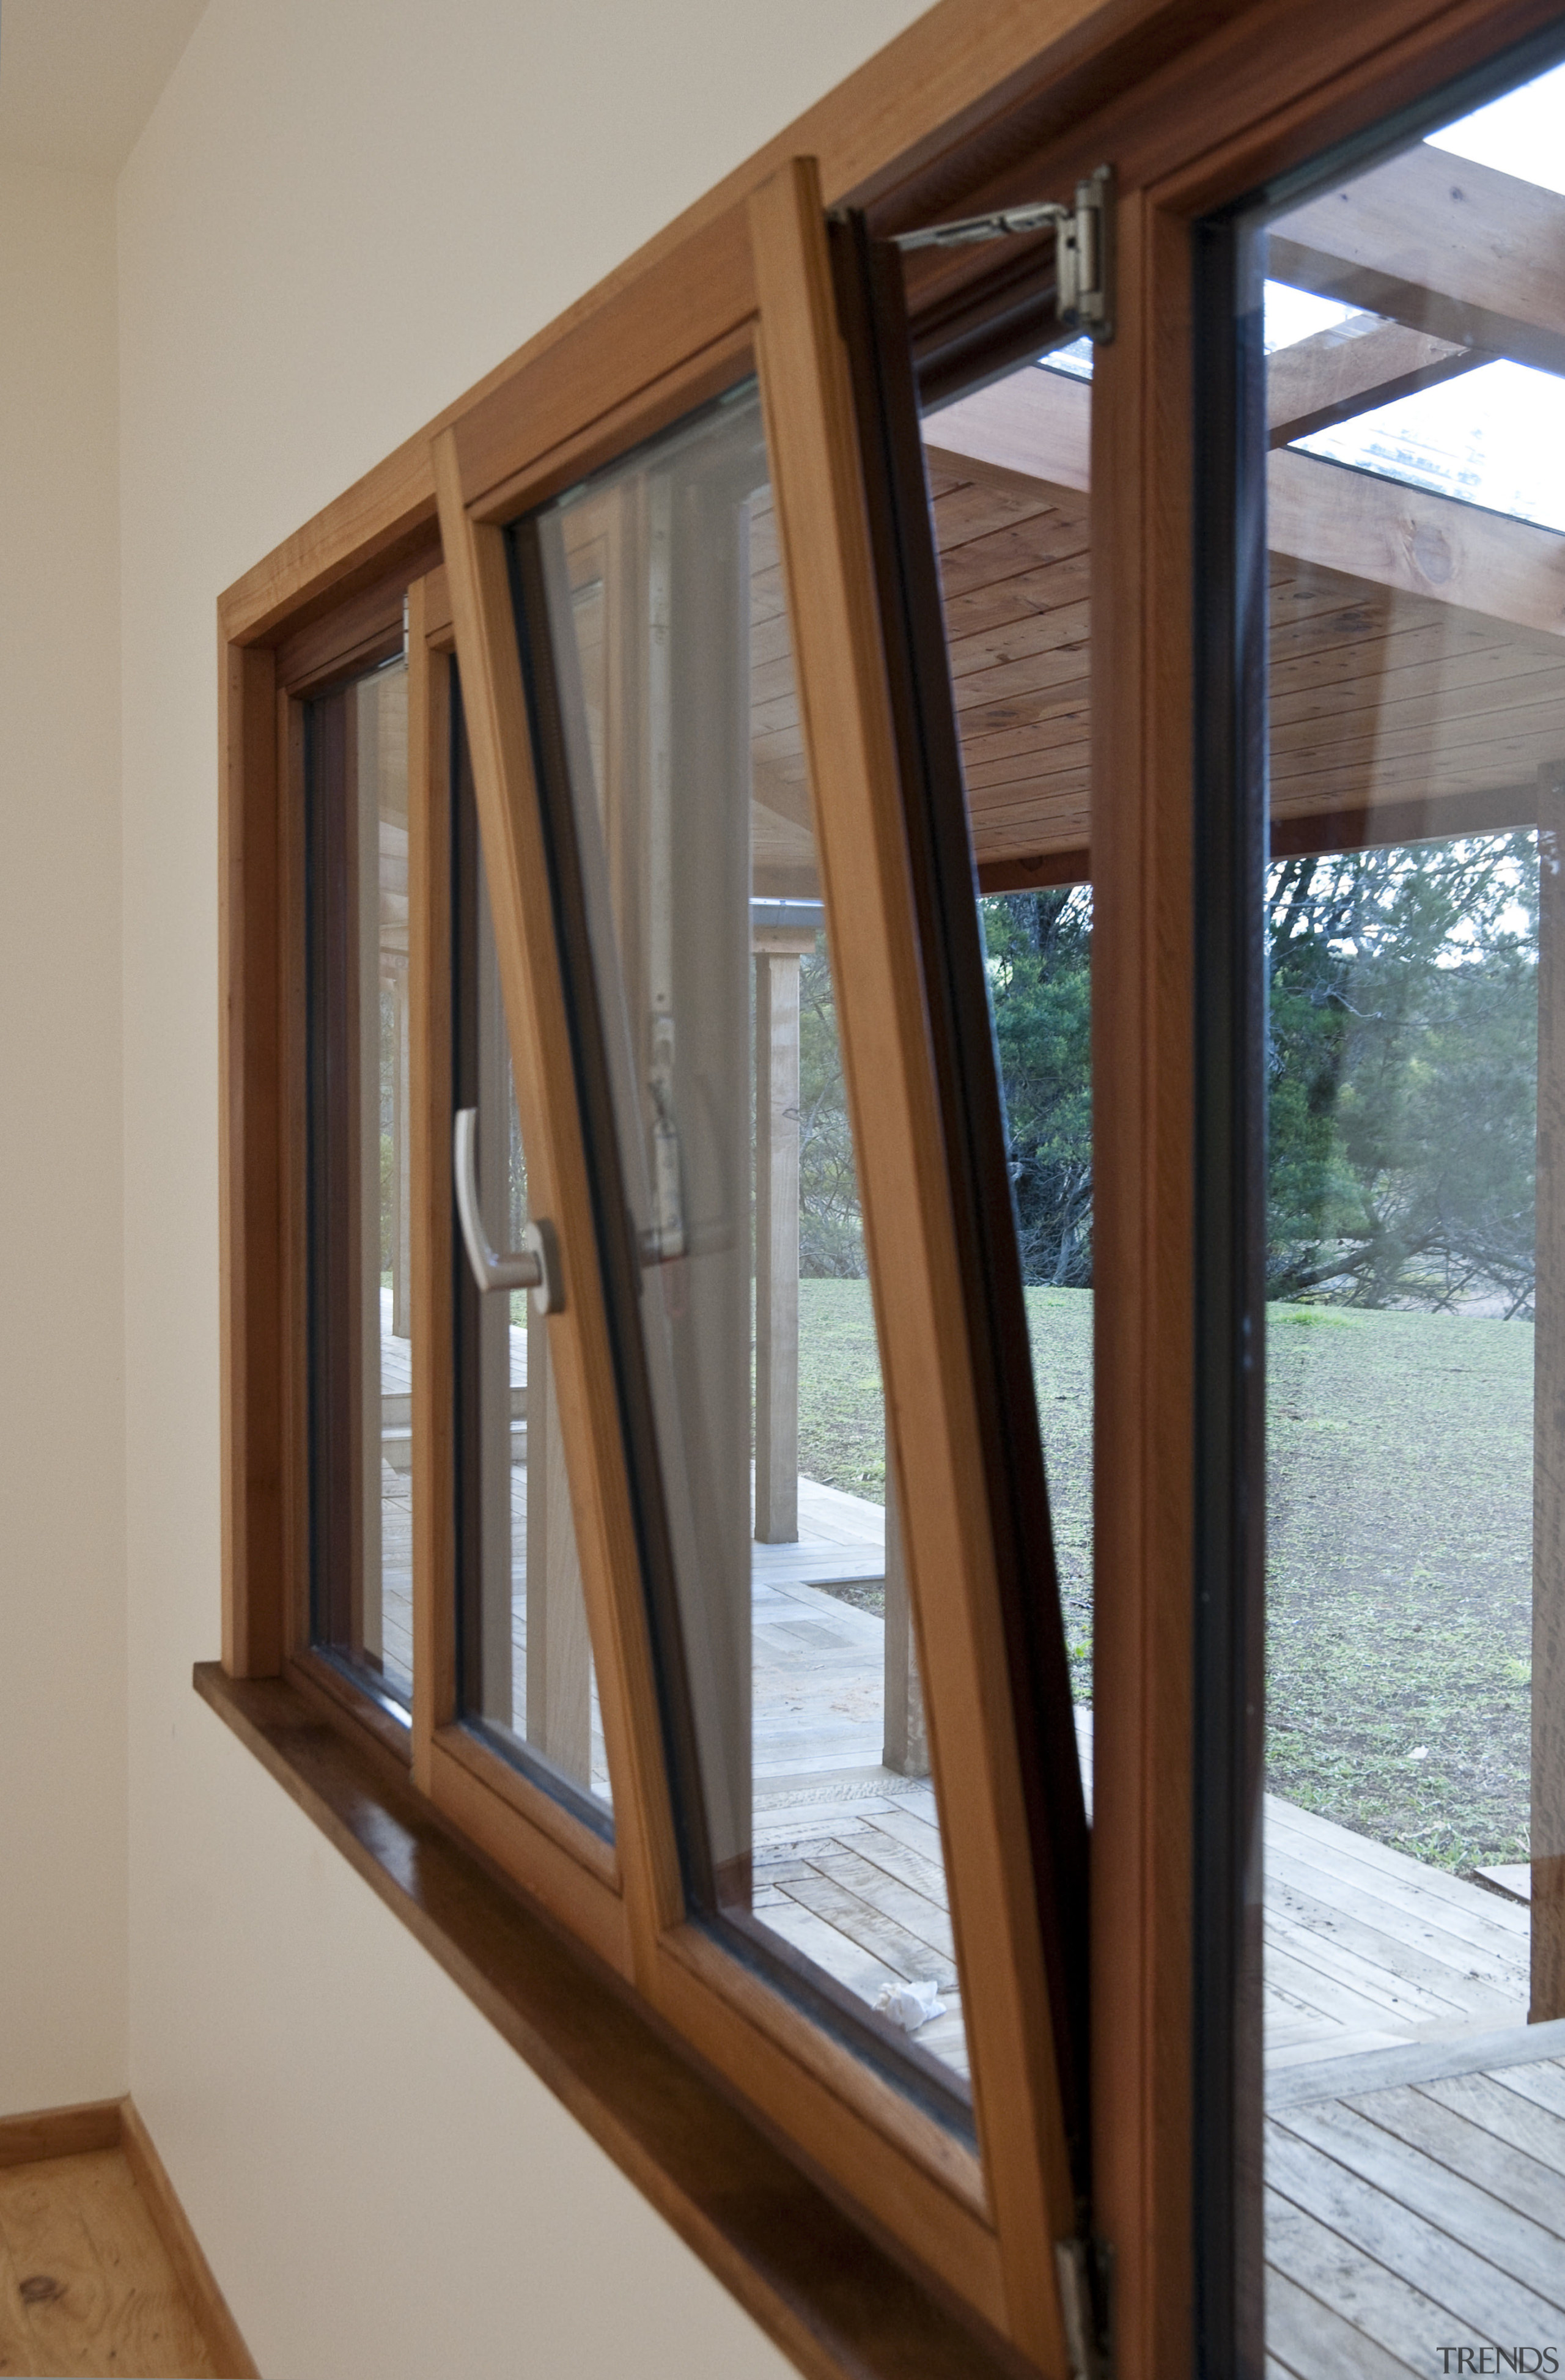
(1084, 2268)
(404, 613)
(1082, 247)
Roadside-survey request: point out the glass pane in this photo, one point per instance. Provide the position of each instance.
(1009, 482)
(1414, 1830)
(527, 1681)
(774, 1560)
(361, 1385)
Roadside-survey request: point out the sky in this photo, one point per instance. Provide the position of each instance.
(1495, 436)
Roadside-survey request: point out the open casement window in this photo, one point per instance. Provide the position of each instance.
(722, 830)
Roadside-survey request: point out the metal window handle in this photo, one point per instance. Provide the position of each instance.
(535, 1266)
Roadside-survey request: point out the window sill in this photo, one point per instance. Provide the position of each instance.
(819, 2282)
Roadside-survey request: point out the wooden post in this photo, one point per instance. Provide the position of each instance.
(1548, 1423)
(907, 1743)
(778, 951)
(558, 1703)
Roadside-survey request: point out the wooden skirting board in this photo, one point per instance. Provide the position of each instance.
(116, 2124)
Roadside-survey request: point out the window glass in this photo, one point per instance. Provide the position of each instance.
(526, 1677)
(657, 643)
(361, 1303)
(1415, 1826)
(1009, 482)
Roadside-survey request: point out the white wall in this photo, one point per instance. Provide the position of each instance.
(61, 1345)
(340, 215)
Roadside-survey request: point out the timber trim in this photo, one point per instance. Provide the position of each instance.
(824, 2287)
(96, 2124)
(231, 2358)
(60, 2131)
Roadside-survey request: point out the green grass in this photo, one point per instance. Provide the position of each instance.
(1400, 1576)
(842, 1421)
(1400, 1564)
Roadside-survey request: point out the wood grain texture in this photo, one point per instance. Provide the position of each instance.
(822, 2285)
(686, 304)
(1143, 1037)
(229, 2356)
(914, 1259)
(428, 971)
(1453, 249)
(1335, 375)
(60, 2131)
(87, 2285)
(538, 1842)
(558, 1187)
(354, 635)
(250, 1157)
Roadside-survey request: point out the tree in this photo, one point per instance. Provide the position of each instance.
(830, 1226)
(1039, 950)
(1402, 1046)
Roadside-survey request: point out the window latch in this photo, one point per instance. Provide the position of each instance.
(1083, 247)
(535, 1265)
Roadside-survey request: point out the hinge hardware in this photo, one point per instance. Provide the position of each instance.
(1083, 247)
(1083, 2269)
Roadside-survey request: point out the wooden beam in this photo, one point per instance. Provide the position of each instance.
(907, 1746)
(1349, 370)
(1039, 873)
(1034, 426)
(1443, 245)
(1547, 1999)
(1357, 826)
(1402, 537)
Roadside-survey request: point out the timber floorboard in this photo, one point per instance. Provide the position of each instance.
(86, 2285)
(1405, 2222)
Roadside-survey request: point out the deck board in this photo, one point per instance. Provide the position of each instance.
(1392, 2214)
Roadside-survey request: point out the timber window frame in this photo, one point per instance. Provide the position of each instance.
(1196, 107)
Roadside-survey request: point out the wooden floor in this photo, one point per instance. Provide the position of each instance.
(1418, 2216)
(86, 2287)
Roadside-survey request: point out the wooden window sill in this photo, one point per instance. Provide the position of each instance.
(821, 2285)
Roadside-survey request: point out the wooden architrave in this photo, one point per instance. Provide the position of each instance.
(974, 105)
(915, 2176)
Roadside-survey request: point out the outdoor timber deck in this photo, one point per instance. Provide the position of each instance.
(1415, 2130)
(1415, 2202)
(1365, 1948)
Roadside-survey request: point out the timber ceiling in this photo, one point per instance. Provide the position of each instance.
(1417, 652)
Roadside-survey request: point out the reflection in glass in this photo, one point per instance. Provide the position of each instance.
(525, 1673)
(657, 589)
(1009, 479)
(361, 1385)
(1415, 1748)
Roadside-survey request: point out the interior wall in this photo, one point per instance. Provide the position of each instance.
(62, 1377)
(339, 216)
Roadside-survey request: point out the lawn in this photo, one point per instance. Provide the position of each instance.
(1400, 1570)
